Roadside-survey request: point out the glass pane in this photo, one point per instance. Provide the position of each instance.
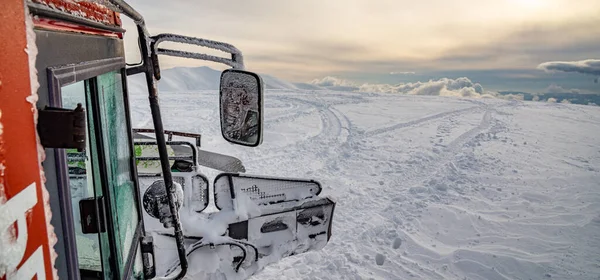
(118, 156)
(81, 181)
(138, 266)
(104, 238)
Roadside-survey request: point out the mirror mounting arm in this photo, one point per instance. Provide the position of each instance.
(236, 61)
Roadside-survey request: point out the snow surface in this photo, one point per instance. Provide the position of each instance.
(426, 187)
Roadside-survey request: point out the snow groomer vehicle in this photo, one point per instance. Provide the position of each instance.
(84, 195)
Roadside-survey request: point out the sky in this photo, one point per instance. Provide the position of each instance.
(499, 43)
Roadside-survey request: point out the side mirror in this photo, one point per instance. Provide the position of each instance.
(241, 107)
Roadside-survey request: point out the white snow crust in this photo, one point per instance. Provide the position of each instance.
(33, 98)
(426, 187)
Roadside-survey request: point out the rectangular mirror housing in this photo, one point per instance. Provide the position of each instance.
(241, 107)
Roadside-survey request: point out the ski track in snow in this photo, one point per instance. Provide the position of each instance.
(477, 189)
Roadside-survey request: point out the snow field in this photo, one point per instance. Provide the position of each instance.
(426, 187)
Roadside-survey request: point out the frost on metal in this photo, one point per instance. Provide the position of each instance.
(264, 231)
(92, 10)
(33, 98)
(269, 194)
(237, 60)
(240, 106)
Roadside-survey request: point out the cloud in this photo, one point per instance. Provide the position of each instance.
(402, 73)
(461, 87)
(331, 82)
(554, 88)
(551, 100)
(512, 97)
(565, 101)
(301, 40)
(588, 66)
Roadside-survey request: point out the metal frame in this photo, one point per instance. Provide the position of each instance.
(236, 61)
(63, 75)
(170, 133)
(140, 230)
(231, 189)
(194, 156)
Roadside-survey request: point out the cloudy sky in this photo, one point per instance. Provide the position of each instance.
(499, 43)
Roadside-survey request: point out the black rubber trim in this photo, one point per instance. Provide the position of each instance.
(330, 219)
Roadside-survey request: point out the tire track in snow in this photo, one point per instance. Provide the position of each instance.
(419, 121)
(331, 123)
(405, 205)
(332, 147)
(443, 164)
(414, 193)
(289, 117)
(463, 138)
(330, 133)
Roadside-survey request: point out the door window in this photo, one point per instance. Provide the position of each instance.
(82, 180)
(108, 135)
(118, 155)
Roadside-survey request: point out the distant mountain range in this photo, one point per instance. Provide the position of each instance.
(184, 79)
(181, 79)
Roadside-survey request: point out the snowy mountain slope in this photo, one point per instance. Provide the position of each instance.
(183, 79)
(427, 187)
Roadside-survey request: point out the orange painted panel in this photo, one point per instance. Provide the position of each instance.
(23, 219)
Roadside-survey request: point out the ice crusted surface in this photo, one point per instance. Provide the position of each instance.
(33, 98)
(237, 64)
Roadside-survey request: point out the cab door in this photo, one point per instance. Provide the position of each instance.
(99, 202)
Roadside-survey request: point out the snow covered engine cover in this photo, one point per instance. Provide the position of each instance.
(259, 219)
(279, 216)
